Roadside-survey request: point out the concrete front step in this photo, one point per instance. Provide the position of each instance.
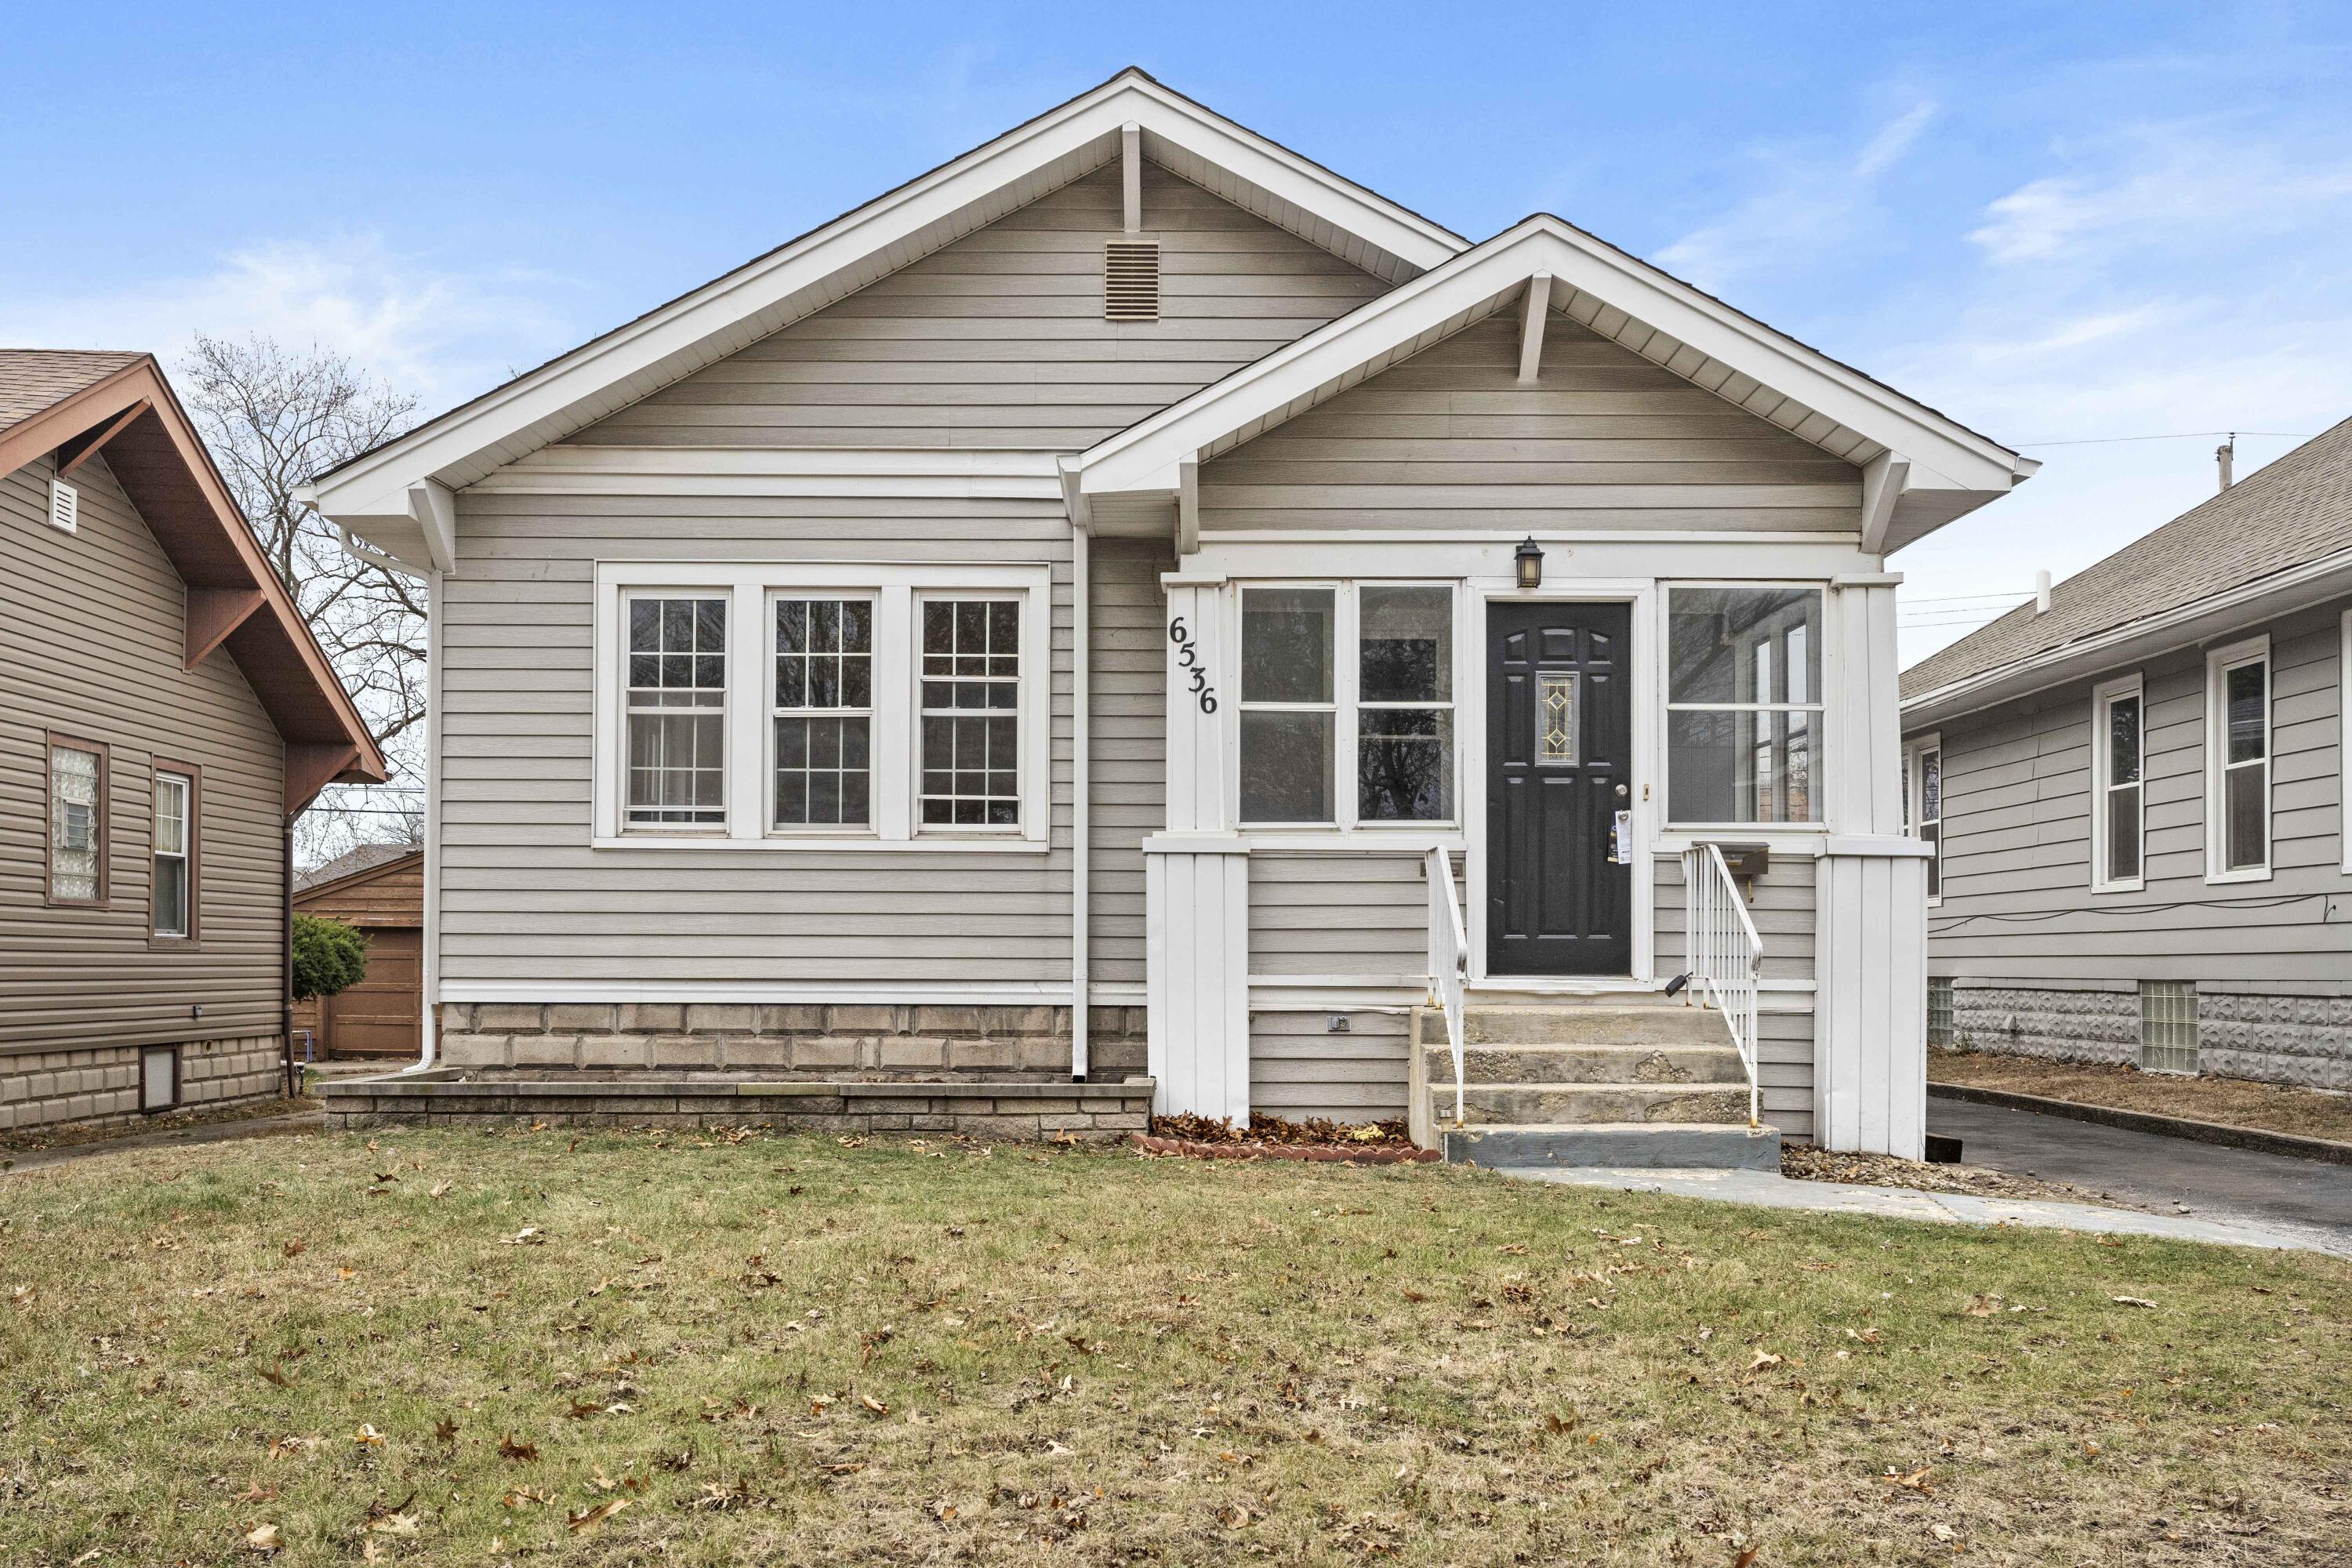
(1714, 1064)
(1647, 1146)
(1582, 1104)
(1583, 1024)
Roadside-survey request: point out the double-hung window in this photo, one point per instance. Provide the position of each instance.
(173, 895)
(1922, 805)
(1346, 705)
(677, 710)
(2118, 807)
(823, 743)
(2238, 762)
(822, 705)
(971, 712)
(78, 822)
(1743, 704)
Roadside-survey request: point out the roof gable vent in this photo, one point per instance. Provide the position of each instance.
(65, 506)
(1131, 281)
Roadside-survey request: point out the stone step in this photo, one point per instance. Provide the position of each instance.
(1648, 1146)
(1710, 1064)
(1583, 1024)
(1577, 1104)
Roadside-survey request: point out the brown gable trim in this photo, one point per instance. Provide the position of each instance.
(157, 457)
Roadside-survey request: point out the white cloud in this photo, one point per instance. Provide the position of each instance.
(1805, 204)
(439, 333)
(2171, 189)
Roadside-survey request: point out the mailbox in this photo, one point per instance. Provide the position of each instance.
(1747, 861)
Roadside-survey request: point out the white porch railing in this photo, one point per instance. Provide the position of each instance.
(1449, 959)
(1724, 954)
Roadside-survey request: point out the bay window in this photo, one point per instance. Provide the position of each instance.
(2118, 815)
(1743, 704)
(1347, 714)
(822, 705)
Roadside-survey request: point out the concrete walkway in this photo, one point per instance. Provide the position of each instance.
(1769, 1189)
(2230, 1186)
(170, 1138)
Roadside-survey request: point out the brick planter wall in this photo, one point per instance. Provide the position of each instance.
(44, 1089)
(450, 1096)
(816, 1043)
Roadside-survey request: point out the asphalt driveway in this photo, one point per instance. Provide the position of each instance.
(2173, 1175)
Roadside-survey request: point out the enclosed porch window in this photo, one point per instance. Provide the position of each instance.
(1743, 705)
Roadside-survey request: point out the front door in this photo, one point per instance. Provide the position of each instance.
(1560, 749)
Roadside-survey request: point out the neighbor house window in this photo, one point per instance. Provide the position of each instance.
(2344, 744)
(172, 890)
(159, 1078)
(972, 713)
(2238, 762)
(1743, 704)
(2118, 807)
(1347, 705)
(676, 711)
(1939, 1013)
(1922, 805)
(2168, 1026)
(78, 822)
(823, 729)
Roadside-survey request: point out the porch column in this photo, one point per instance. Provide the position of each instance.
(1870, 955)
(1196, 876)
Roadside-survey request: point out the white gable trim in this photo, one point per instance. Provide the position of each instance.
(1707, 341)
(469, 443)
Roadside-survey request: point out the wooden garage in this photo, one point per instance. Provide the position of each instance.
(380, 889)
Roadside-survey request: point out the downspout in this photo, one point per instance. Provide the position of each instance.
(429, 1025)
(1081, 748)
(286, 928)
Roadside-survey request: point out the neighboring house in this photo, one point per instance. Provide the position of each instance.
(1114, 567)
(164, 713)
(2140, 795)
(378, 889)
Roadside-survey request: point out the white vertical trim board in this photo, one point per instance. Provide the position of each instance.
(898, 589)
(2104, 696)
(2218, 663)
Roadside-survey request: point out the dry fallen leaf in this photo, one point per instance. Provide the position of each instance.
(445, 1430)
(2133, 1301)
(295, 1249)
(439, 1189)
(394, 1523)
(262, 1538)
(1983, 1306)
(367, 1436)
(579, 1523)
(514, 1450)
(873, 1405)
(1915, 1480)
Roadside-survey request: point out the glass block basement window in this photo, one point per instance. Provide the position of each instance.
(1939, 1012)
(2168, 1026)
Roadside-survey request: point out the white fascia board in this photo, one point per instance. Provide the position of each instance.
(895, 218)
(1142, 457)
(2138, 641)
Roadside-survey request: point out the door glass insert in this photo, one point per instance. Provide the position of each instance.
(1556, 719)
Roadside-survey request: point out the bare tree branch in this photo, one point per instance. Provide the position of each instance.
(276, 418)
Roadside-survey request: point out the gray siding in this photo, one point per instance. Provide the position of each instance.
(1606, 439)
(1339, 912)
(1299, 1069)
(2017, 902)
(91, 637)
(1129, 721)
(999, 340)
(525, 898)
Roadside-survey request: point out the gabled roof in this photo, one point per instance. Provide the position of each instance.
(72, 403)
(2284, 528)
(362, 864)
(395, 497)
(1928, 469)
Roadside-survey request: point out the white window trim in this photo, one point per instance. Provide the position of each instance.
(1818, 741)
(751, 588)
(2104, 696)
(2343, 745)
(2218, 663)
(1914, 790)
(1347, 683)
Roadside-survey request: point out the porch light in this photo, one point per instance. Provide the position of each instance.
(1530, 564)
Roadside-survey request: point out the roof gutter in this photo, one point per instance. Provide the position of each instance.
(2149, 637)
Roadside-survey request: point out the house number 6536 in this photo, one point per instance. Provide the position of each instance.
(1188, 658)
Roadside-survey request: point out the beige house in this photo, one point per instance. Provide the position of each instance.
(1132, 601)
(164, 713)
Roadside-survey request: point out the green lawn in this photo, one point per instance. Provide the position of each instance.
(449, 1347)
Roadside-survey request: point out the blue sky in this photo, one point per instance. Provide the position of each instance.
(2055, 223)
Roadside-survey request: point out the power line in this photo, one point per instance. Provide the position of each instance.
(2176, 436)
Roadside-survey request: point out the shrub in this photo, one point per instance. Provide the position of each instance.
(329, 957)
